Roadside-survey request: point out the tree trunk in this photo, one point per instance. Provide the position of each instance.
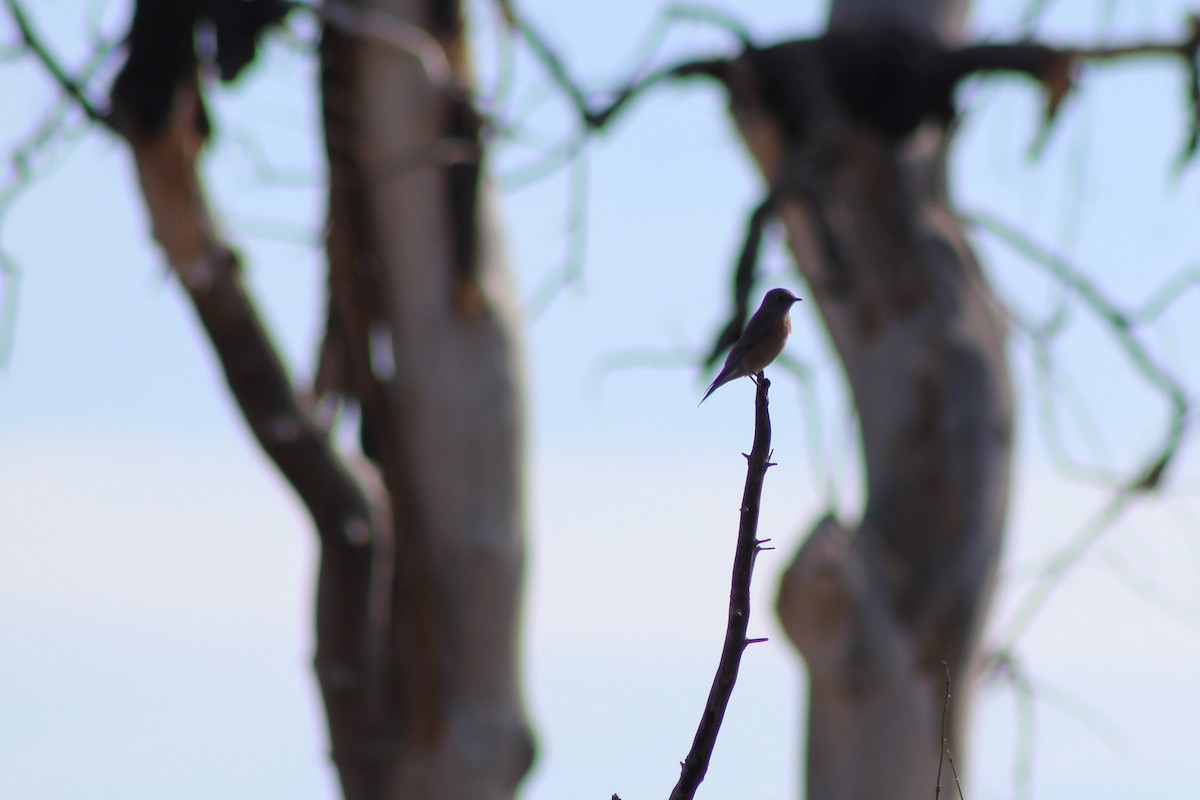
(421, 552)
(876, 608)
(421, 297)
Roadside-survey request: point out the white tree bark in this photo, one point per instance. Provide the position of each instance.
(877, 607)
(444, 345)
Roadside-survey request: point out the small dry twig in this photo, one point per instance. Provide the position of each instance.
(758, 461)
(945, 754)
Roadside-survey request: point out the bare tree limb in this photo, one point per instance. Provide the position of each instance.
(1050, 577)
(744, 277)
(30, 155)
(570, 271)
(695, 765)
(946, 754)
(69, 84)
(1149, 475)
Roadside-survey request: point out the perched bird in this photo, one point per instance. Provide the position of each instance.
(761, 342)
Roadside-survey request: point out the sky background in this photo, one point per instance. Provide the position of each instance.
(156, 574)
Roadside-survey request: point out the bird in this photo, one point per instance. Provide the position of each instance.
(761, 342)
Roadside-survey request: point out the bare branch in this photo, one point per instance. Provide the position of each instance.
(571, 269)
(597, 117)
(644, 358)
(554, 65)
(259, 161)
(1007, 668)
(29, 158)
(945, 752)
(695, 766)
(1004, 667)
(68, 84)
(712, 15)
(10, 287)
(548, 162)
(1149, 590)
(1034, 11)
(744, 275)
(1050, 577)
(1123, 324)
(1149, 475)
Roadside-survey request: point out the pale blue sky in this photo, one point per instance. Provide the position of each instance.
(155, 574)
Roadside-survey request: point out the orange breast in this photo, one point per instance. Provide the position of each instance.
(766, 351)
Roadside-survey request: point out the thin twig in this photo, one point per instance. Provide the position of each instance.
(554, 65)
(597, 118)
(744, 275)
(1047, 382)
(945, 754)
(695, 766)
(1149, 475)
(937, 787)
(27, 160)
(712, 15)
(678, 357)
(1003, 666)
(10, 286)
(266, 173)
(1149, 590)
(570, 271)
(547, 162)
(1031, 16)
(814, 427)
(70, 85)
(1051, 576)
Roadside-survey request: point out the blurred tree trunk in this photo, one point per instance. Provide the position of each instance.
(423, 326)
(876, 607)
(422, 547)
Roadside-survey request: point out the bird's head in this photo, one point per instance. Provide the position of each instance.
(780, 299)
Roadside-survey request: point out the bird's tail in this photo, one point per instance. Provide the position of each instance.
(717, 383)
